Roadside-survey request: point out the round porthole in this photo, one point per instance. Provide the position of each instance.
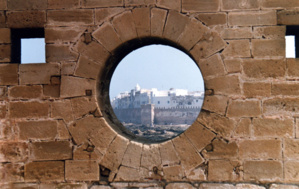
(156, 92)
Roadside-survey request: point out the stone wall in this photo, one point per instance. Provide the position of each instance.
(55, 127)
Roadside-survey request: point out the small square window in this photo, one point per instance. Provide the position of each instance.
(28, 45)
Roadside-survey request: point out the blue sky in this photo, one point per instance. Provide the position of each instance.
(33, 50)
(156, 66)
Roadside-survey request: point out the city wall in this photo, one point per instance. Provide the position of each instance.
(56, 130)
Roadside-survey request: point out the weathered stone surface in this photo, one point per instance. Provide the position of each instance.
(104, 14)
(125, 26)
(5, 35)
(75, 86)
(224, 85)
(102, 3)
(224, 170)
(141, 17)
(261, 69)
(273, 127)
(83, 105)
(139, 2)
(81, 170)
(64, 185)
(288, 17)
(11, 172)
(62, 110)
(260, 149)
(291, 147)
(3, 110)
(132, 157)
(174, 5)
(62, 34)
(25, 92)
(168, 154)
(179, 186)
(221, 149)
(263, 171)
(37, 130)
(26, 19)
(211, 19)
(67, 68)
(38, 73)
(128, 174)
(215, 185)
(249, 186)
(200, 5)
(283, 186)
(173, 173)
(292, 67)
(9, 74)
(236, 33)
(2, 19)
(44, 171)
(63, 133)
(86, 151)
(281, 106)
(235, 5)
(27, 5)
(28, 109)
(3, 5)
(269, 32)
(256, 89)
(243, 128)
(212, 66)
(13, 151)
(237, 48)
(55, 53)
(215, 103)
(88, 68)
(277, 4)
(268, 47)
(52, 91)
(254, 18)
(70, 17)
(199, 136)
(189, 157)
(291, 171)
(233, 65)
(53, 150)
(3, 93)
(66, 4)
(150, 157)
(289, 88)
(5, 53)
(158, 18)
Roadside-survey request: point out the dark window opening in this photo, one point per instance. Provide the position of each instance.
(28, 45)
(292, 41)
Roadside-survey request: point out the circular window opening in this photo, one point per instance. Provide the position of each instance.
(156, 92)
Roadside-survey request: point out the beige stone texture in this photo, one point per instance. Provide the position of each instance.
(104, 14)
(253, 18)
(256, 89)
(132, 157)
(141, 17)
(292, 67)
(26, 19)
(273, 127)
(5, 53)
(128, 174)
(179, 186)
(158, 18)
(199, 136)
(13, 151)
(55, 53)
(188, 155)
(11, 172)
(224, 170)
(63, 185)
(139, 2)
(3, 93)
(5, 35)
(86, 151)
(262, 69)
(150, 157)
(173, 173)
(237, 49)
(236, 33)
(46, 171)
(283, 186)
(260, 149)
(25, 92)
(249, 186)
(221, 149)
(28, 109)
(212, 66)
(233, 65)
(287, 89)
(281, 106)
(27, 5)
(236, 5)
(75, 86)
(269, 32)
(168, 154)
(288, 17)
(200, 5)
(68, 68)
(103, 3)
(224, 85)
(243, 128)
(2, 19)
(3, 110)
(3, 5)
(82, 106)
(66, 4)
(291, 147)
(291, 171)
(20, 186)
(87, 68)
(70, 17)
(38, 73)
(269, 171)
(37, 130)
(9, 74)
(53, 150)
(62, 131)
(268, 48)
(51, 91)
(216, 185)
(211, 19)
(125, 26)
(62, 110)
(65, 34)
(277, 4)
(174, 5)
(81, 170)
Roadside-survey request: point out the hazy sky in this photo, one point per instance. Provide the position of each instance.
(33, 50)
(156, 66)
(290, 46)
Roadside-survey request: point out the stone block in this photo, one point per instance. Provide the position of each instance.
(53, 150)
(290, 173)
(9, 74)
(65, 34)
(173, 5)
(86, 152)
(107, 36)
(68, 68)
(3, 4)
(104, 14)
(211, 19)
(273, 127)
(26, 5)
(128, 174)
(44, 171)
(199, 136)
(3, 93)
(63, 133)
(292, 67)
(66, 4)
(62, 110)
(158, 19)
(237, 48)
(173, 173)
(212, 66)
(243, 128)
(21, 186)
(56, 53)
(30, 109)
(11, 172)
(2, 110)
(269, 32)
(102, 3)
(268, 48)
(75, 86)
(13, 151)
(236, 5)
(256, 89)
(132, 157)
(281, 106)
(83, 105)
(263, 69)
(216, 185)
(26, 19)
(88, 68)
(52, 91)
(125, 26)
(168, 154)
(236, 33)
(241, 108)
(283, 186)
(221, 149)
(224, 170)
(141, 17)
(5, 53)
(200, 6)
(179, 185)
(277, 4)
(233, 65)
(37, 130)
(150, 157)
(266, 171)
(25, 92)
(70, 17)
(291, 147)
(2, 19)
(260, 149)
(5, 35)
(288, 17)
(252, 18)
(82, 170)
(249, 186)
(190, 158)
(38, 73)
(288, 89)
(139, 2)
(63, 185)
(175, 25)
(224, 85)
